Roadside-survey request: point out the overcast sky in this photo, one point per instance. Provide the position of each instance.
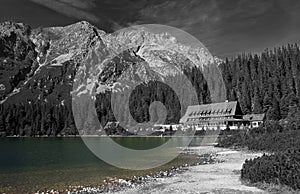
(225, 27)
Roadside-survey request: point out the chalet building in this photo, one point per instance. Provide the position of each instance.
(111, 125)
(218, 116)
(255, 120)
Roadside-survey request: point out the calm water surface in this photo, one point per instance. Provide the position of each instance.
(20, 154)
(25, 162)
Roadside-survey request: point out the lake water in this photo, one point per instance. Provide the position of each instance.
(28, 163)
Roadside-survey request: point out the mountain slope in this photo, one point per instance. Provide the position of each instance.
(38, 77)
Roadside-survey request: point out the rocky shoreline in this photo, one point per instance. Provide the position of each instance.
(115, 184)
(218, 177)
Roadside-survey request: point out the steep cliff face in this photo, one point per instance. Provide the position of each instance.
(30, 56)
(17, 54)
(40, 69)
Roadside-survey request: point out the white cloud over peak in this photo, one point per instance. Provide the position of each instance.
(72, 8)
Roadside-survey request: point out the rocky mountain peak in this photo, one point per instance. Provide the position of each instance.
(41, 67)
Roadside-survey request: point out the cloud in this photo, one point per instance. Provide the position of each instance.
(227, 27)
(197, 17)
(81, 4)
(78, 9)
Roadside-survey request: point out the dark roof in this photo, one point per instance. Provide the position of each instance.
(254, 117)
(210, 110)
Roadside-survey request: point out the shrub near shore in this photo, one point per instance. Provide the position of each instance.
(271, 142)
(281, 167)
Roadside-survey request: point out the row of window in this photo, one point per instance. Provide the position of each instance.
(208, 118)
(212, 124)
(211, 112)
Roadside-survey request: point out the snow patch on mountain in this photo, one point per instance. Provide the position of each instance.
(58, 61)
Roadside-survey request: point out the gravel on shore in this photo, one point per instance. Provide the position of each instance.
(216, 172)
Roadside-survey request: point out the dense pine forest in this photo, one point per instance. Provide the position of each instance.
(266, 83)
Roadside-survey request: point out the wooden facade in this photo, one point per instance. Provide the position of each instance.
(216, 116)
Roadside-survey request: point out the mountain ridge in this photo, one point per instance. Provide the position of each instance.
(41, 87)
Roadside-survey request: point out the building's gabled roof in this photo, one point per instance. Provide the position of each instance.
(210, 110)
(254, 117)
